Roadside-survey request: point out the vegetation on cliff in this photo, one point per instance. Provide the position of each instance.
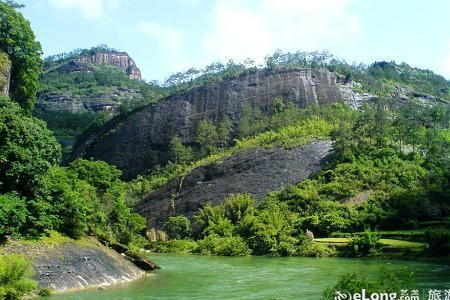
(390, 170)
(18, 41)
(15, 277)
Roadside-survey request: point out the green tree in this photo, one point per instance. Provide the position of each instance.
(178, 153)
(178, 227)
(99, 174)
(237, 206)
(66, 204)
(252, 122)
(15, 277)
(27, 150)
(18, 41)
(13, 4)
(13, 215)
(223, 132)
(207, 137)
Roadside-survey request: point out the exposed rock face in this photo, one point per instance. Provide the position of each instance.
(94, 103)
(256, 171)
(5, 73)
(118, 59)
(73, 266)
(139, 142)
(351, 97)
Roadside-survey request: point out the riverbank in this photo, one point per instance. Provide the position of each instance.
(62, 264)
(254, 277)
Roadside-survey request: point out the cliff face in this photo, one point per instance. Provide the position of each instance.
(106, 101)
(117, 59)
(72, 265)
(5, 73)
(255, 171)
(139, 142)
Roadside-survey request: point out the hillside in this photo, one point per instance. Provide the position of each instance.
(254, 171)
(144, 135)
(86, 85)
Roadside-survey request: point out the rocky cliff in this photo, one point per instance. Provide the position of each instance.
(255, 171)
(76, 265)
(5, 73)
(139, 141)
(75, 88)
(112, 58)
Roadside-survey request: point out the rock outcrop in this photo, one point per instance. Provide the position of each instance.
(113, 58)
(139, 141)
(255, 171)
(75, 265)
(99, 102)
(5, 73)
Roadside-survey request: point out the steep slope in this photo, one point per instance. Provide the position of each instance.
(138, 142)
(256, 171)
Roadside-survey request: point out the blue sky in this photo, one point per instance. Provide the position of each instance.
(167, 36)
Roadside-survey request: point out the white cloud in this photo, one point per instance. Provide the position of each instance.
(445, 64)
(169, 40)
(90, 9)
(241, 30)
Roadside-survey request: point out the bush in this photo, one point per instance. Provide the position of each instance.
(389, 281)
(237, 206)
(365, 244)
(15, 277)
(13, 214)
(225, 246)
(45, 292)
(438, 241)
(175, 246)
(310, 248)
(27, 149)
(178, 227)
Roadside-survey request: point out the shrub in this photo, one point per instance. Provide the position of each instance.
(438, 241)
(175, 246)
(45, 292)
(225, 246)
(388, 281)
(310, 248)
(365, 244)
(13, 215)
(15, 277)
(178, 227)
(237, 206)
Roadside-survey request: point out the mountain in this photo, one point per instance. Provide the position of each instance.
(84, 85)
(139, 141)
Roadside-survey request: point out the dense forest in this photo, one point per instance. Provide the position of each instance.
(389, 172)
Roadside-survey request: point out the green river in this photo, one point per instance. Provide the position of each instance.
(206, 277)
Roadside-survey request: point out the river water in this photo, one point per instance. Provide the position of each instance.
(206, 277)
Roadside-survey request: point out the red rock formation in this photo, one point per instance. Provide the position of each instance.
(118, 59)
